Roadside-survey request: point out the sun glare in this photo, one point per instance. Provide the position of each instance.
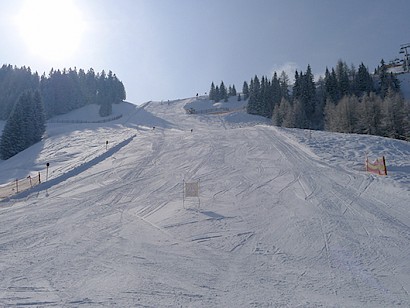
(52, 29)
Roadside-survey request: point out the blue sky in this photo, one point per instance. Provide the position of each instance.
(169, 49)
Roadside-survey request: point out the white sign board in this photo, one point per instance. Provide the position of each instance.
(192, 189)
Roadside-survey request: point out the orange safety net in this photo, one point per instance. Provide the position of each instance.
(377, 167)
(19, 185)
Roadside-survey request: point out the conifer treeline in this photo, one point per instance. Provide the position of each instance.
(61, 91)
(344, 100)
(27, 99)
(13, 82)
(218, 93)
(347, 100)
(25, 125)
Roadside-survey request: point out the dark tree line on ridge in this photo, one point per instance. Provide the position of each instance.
(61, 91)
(25, 126)
(344, 100)
(27, 100)
(218, 93)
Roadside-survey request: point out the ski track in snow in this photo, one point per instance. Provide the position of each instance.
(284, 220)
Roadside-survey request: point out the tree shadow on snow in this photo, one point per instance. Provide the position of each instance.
(213, 215)
(402, 169)
(44, 186)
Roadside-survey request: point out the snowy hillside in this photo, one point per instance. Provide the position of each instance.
(285, 217)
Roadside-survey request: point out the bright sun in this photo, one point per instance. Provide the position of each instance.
(51, 29)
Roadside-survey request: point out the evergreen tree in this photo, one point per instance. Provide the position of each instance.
(232, 91)
(104, 95)
(118, 90)
(318, 117)
(39, 118)
(342, 75)
(277, 91)
(352, 76)
(343, 101)
(383, 79)
(331, 86)
(386, 80)
(24, 127)
(11, 141)
(364, 82)
(14, 81)
(89, 87)
(327, 84)
(223, 93)
(251, 107)
(284, 86)
(61, 91)
(245, 90)
(255, 105)
(255, 90)
(266, 107)
(217, 94)
(308, 97)
(229, 90)
(296, 92)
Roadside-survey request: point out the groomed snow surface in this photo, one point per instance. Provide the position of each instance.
(285, 217)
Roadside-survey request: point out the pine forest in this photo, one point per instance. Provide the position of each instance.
(27, 100)
(345, 99)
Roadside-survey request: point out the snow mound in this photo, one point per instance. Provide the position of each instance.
(203, 103)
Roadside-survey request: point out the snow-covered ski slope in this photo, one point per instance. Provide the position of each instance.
(286, 217)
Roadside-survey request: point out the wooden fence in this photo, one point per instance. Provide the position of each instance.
(19, 185)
